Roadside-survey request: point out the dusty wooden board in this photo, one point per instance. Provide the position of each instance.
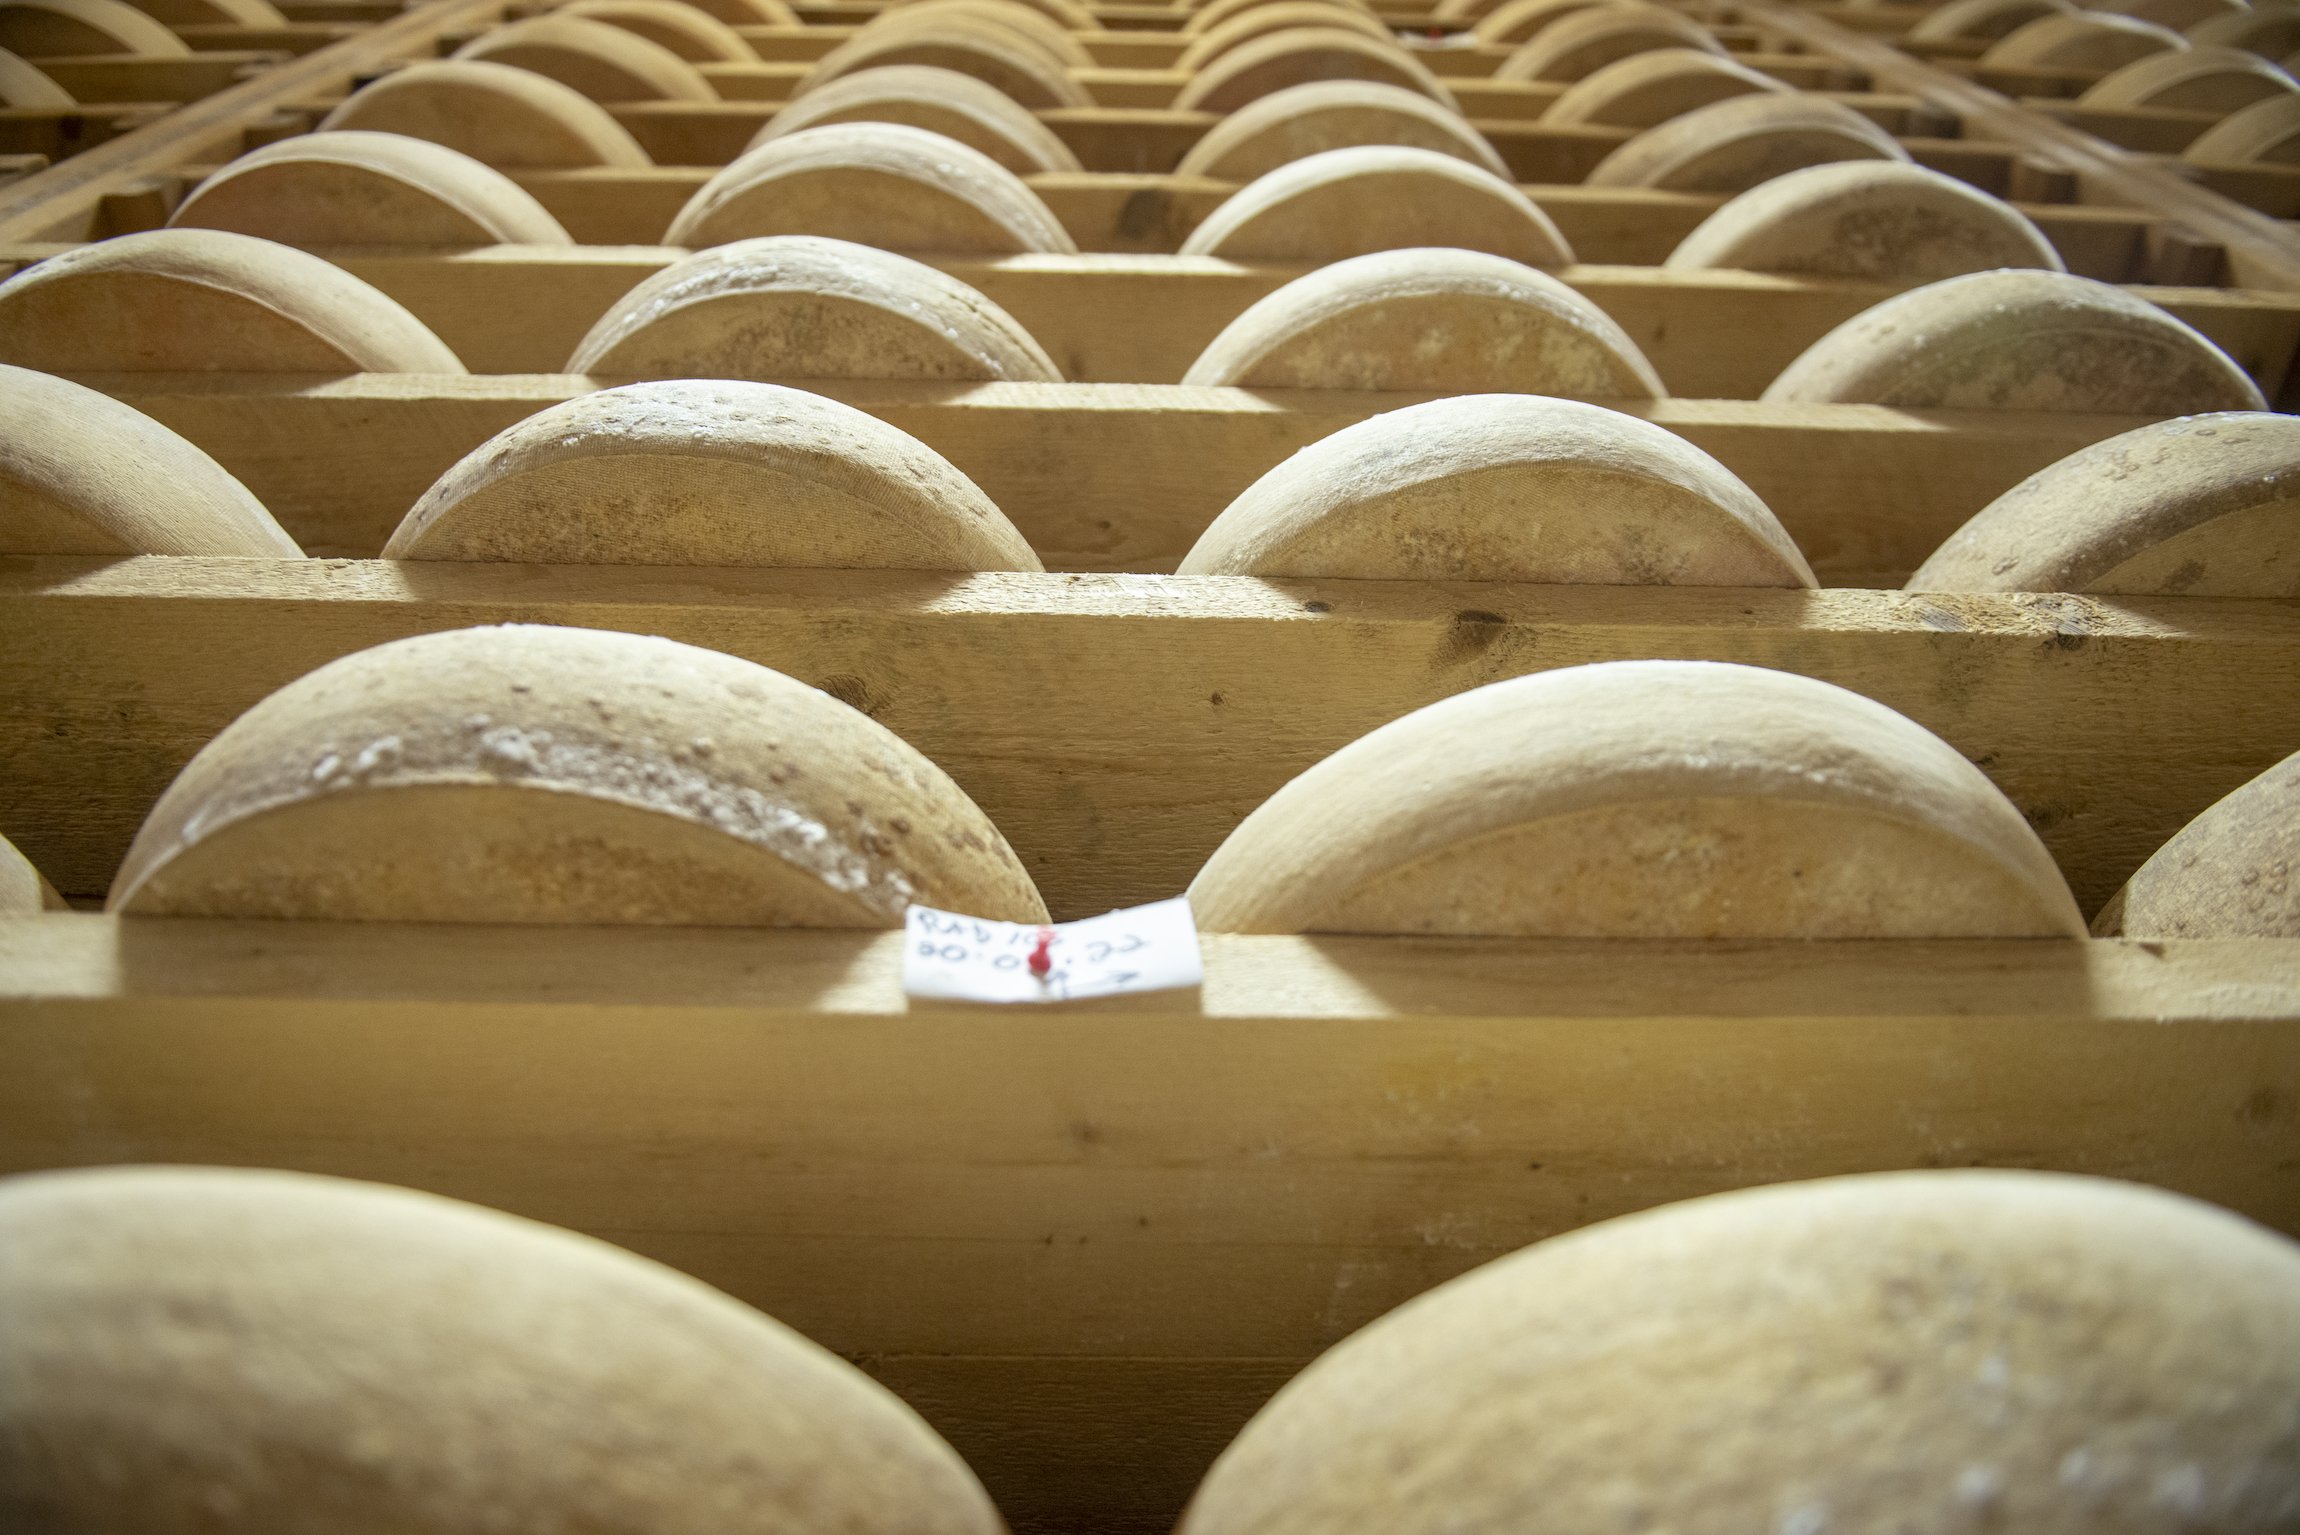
(1087, 1243)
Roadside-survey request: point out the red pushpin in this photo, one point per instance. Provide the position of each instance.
(1042, 957)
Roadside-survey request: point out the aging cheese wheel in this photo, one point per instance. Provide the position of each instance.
(1502, 487)
(1581, 44)
(801, 307)
(537, 774)
(48, 29)
(882, 184)
(1349, 202)
(1737, 144)
(709, 472)
(1001, 18)
(607, 64)
(2272, 33)
(2090, 40)
(1299, 55)
(1983, 20)
(1001, 61)
(1304, 120)
(2264, 133)
(748, 13)
(1462, 13)
(1647, 89)
(23, 84)
(2018, 341)
(1929, 1353)
(2227, 874)
(206, 301)
(1065, 15)
(2200, 506)
(354, 187)
(1434, 321)
(1876, 220)
(23, 893)
(1517, 20)
(317, 1354)
(1641, 799)
(212, 13)
(2203, 79)
(940, 101)
(2179, 15)
(692, 34)
(81, 473)
(500, 116)
(1206, 18)
(1279, 16)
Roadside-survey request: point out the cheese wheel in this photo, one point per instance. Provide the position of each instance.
(1349, 202)
(1428, 321)
(1581, 44)
(2205, 79)
(940, 101)
(881, 184)
(2264, 133)
(748, 13)
(2200, 506)
(1647, 89)
(801, 307)
(607, 64)
(1000, 18)
(690, 33)
(206, 301)
(1277, 17)
(1461, 13)
(500, 116)
(717, 473)
(1304, 120)
(212, 13)
(1641, 799)
(23, 892)
(1983, 20)
(1001, 61)
(1515, 21)
(2091, 40)
(1065, 15)
(1872, 220)
(353, 187)
(81, 473)
(1299, 55)
(24, 84)
(2270, 33)
(1731, 146)
(1502, 487)
(1206, 18)
(1930, 1353)
(535, 774)
(2018, 341)
(314, 1353)
(2179, 15)
(48, 29)
(2226, 874)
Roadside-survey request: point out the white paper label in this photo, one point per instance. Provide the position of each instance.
(956, 958)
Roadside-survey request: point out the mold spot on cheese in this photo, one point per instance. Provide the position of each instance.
(1299, 55)
(539, 774)
(2083, 40)
(49, 29)
(1577, 46)
(690, 33)
(24, 84)
(1646, 89)
(940, 101)
(1352, 202)
(1304, 120)
(1873, 220)
(2233, 872)
(1002, 61)
(2266, 132)
(500, 116)
(23, 892)
(607, 64)
(1736, 144)
(354, 187)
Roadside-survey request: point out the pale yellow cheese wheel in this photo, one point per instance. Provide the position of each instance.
(318, 1354)
(2202, 79)
(2264, 133)
(1350, 202)
(1736, 144)
(357, 187)
(2090, 40)
(607, 64)
(81, 473)
(2018, 341)
(1873, 220)
(47, 29)
(212, 13)
(883, 184)
(1983, 20)
(1205, 18)
(23, 891)
(999, 60)
(1299, 55)
(1926, 1353)
(1066, 15)
(1279, 16)
(938, 100)
(206, 301)
(1581, 44)
(2179, 15)
(1641, 799)
(500, 116)
(2199, 506)
(709, 472)
(1428, 321)
(796, 306)
(1462, 13)
(24, 84)
(1304, 120)
(2230, 873)
(1515, 21)
(1000, 18)
(692, 34)
(1647, 89)
(2271, 32)
(547, 775)
(748, 13)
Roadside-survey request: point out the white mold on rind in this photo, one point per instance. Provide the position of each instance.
(355, 187)
(499, 115)
(1352, 202)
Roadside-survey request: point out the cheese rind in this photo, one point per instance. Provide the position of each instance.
(1205, 18)
(1742, 142)
(2205, 79)
(692, 34)
(2226, 874)
(498, 115)
(1515, 21)
(1873, 220)
(2086, 40)
(997, 18)
(1647, 89)
(354, 187)
(1304, 120)
(1577, 46)
(1353, 202)
(2266, 132)
(1983, 20)
(940, 101)
(1276, 16)
(1003, 62)
(607, 64)
(1299, 55)
(23, 892)
(24, 84)
(48, 29)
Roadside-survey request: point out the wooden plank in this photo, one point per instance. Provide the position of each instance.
(125, 77)
(59, 132)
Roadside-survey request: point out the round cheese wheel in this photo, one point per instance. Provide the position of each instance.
(2204, 79)
(2091, 40)
(607, 64)
(940, 101)
(1731, 146)
(1983, 20)
(314, 1353)
(1515, 21)
(882, 184)
(1281, 16)
(998, 18)
(1931, 1353)
(1299, 55)
(748, 13)
(48, 29)
(2264, 133)
(1502, 487)
(206, 301)
(2270, 33)
(2018, 341)
(1349, 202)
(23, 84)
(1428, 321)
(998, 59)
(1066, 16)
(709, 472)
(1874, 220)
(1206, 18)
(2226, 874)
(1581, 44)
(2200, 506)
(1461, 13)
(23, 893)
(2179, 15)
(354, 187)
(1641, 799)
(500, 116)
(801, 307)
(81, 473)
(212, 13)
(690, 33)
(1304, 120)
(1647, 89)
(535, 774)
